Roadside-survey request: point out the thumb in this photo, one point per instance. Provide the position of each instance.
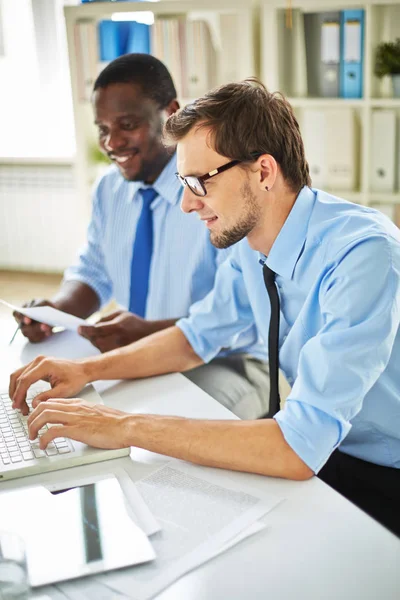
(98, 330)
(58, 391)
(109, 317)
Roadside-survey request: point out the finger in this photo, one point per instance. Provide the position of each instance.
(32, 374)
(14, 379)
(86, 331)
(56, 431)
(60, 404)
(18, 316)
(48, 417)
(109, 317)
(33, 333)
(58, 391)
(97, 331)
(45, 328)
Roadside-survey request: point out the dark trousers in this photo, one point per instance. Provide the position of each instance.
(373, 488)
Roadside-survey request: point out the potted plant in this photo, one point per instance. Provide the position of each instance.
(387, 62)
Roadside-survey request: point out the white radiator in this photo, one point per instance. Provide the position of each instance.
(42, 221)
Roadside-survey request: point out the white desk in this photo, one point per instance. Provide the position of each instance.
(317, 546)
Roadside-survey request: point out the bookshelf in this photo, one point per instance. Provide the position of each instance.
(232, 30)
(284, 68)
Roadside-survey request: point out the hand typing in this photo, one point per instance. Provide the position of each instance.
(95, 425)
(66, 378)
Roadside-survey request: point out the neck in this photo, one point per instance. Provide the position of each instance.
(275, 212)
(158, 165)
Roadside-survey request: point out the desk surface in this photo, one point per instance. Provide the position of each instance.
(316, 546)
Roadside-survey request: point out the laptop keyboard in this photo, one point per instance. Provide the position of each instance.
(15, 445)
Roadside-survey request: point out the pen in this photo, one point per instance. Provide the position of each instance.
(19, 325)
(15, 333)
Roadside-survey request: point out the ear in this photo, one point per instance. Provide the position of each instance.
(172, 107)
(268, 169)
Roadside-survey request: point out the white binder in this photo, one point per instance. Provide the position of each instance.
(383, 151)
(341, 144)
(312, 123)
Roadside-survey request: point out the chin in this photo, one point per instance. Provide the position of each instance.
(131, 176)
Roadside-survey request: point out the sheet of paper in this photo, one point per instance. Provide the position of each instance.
(88, 589)
(49, 315)
(200, 512)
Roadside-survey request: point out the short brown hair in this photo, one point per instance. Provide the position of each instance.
(246, 119)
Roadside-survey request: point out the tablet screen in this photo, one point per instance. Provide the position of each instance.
(77, 532)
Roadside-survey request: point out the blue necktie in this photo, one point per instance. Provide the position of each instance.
(141, 257)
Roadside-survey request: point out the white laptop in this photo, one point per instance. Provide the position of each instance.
(20, 457)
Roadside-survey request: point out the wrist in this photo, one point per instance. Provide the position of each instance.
(91, 369)
(127, 430)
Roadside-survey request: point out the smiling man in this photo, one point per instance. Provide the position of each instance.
(141, 249)
(332, 270)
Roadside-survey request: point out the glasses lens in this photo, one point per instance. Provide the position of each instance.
(195, 185)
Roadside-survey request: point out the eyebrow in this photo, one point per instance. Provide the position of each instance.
(120, 117)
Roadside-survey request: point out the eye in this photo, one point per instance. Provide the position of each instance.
(102, 130)
(130, 125)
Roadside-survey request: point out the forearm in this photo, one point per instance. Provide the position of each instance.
(250, 446)
(76, 298)
(166, 351)
(160, 324)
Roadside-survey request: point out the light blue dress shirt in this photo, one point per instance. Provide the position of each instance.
(338, 278)
(184, 261)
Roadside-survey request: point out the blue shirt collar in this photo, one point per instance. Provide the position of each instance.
(289, 243)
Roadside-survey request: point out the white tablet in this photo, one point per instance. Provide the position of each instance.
(75, 532)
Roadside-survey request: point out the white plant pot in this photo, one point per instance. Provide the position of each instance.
(396, 85)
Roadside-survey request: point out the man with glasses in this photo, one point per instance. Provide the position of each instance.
(321, 277)
(141, 249)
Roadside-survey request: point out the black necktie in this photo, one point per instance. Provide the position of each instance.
(273, 342)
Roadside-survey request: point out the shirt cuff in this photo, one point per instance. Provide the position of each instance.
(310, 432)
(198, 343)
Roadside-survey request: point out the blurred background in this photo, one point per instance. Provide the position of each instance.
(338, 62)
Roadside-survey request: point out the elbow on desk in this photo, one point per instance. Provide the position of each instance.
(301, 472)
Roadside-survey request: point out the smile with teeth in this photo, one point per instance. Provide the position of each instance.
(208, 220)
(123, 159)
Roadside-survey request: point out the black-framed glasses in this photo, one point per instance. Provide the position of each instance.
(196, 184)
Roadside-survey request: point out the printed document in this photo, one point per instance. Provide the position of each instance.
(48, 315)
(201, 512)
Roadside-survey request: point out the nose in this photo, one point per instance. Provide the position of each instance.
(115, 140)
(190, 202)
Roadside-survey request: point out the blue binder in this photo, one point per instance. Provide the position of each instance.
(122, 37)
(352, 51)
(109, 40)
(138, 38)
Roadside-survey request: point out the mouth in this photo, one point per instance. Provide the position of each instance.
(123, 159)
(208, 221)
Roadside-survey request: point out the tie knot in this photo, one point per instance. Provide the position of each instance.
(148, 195)
(269, 275)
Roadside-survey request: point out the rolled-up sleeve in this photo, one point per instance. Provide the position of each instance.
(217, 321)
(91, 266)
(359, 305)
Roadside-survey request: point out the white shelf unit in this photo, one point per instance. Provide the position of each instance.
(234, 48)
(283, 68)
